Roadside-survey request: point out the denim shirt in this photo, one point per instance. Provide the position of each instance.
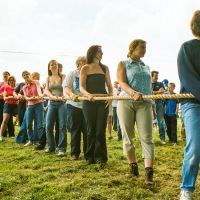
(138, 78)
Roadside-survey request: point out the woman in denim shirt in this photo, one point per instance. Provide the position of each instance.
(135, 80)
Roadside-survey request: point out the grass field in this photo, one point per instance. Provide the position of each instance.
(27, 174)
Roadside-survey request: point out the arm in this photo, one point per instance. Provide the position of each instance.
(108, 81)
(38, 87)
(121, 76)
(26, 97)
(83, 77)
(160, 91)
(16, 92)
(188, 68)
(109, 85)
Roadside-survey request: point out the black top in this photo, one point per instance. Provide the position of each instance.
(19, 89)
(156, 86)
(189, 70)
(95, 84)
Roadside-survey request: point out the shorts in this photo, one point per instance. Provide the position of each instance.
(10, 109)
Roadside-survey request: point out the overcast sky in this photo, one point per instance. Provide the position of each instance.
(41, 30)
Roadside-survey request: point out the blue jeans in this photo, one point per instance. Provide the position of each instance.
(22, 135)
(160, 118)
(191, 119)
(35, 112)
(56, 110)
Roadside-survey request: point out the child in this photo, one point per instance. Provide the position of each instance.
(171, 113)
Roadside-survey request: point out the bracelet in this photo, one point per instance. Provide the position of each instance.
(133, 94)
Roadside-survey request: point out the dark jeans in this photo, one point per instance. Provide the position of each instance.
(119, 132)
(21, 111)
(114, 118)
(171, 122)
(76, 125)
(95, 115)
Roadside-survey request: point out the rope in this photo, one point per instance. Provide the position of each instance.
(153, 97)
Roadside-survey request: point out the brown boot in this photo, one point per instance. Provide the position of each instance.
(133, 169)
(149, 175)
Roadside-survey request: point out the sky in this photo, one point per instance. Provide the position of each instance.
(33, 32)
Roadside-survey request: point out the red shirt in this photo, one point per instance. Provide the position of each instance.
(9, 92)
(30, 91)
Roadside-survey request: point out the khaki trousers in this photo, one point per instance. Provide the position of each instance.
(140, 113)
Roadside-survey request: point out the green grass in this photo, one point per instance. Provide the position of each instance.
(27, 174)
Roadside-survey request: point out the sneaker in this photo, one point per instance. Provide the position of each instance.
(12, 137)
(49, 151)
(163, 142)
(185, 195)
(134, 169)
(1, 138)
(101, 164)
(90, 162)
(29, 143)
(39, 147)
(60, 153)
(74, 158)
(149, 175)
(110, 138)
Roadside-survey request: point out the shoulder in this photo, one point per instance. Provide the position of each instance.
(85, 68)
(105, 67)
(126, 62)
(160, 84)
(72, 73)
(7, 87)
(63, 76)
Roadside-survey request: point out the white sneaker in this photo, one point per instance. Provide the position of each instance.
(185, 195)
(29, 143)
(60, 153)
(1, 138)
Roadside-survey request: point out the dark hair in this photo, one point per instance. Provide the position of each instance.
(49, 71)
(195, 24)
(173, 84)
(91, 53)
(6, 73)
(59, 65)
(154, 72)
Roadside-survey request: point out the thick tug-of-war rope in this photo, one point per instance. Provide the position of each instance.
(153, 97)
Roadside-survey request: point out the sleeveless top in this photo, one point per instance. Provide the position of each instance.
(95, 84)
(138, 78)
(56, 88)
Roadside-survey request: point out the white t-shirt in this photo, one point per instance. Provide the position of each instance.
(72, 81)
